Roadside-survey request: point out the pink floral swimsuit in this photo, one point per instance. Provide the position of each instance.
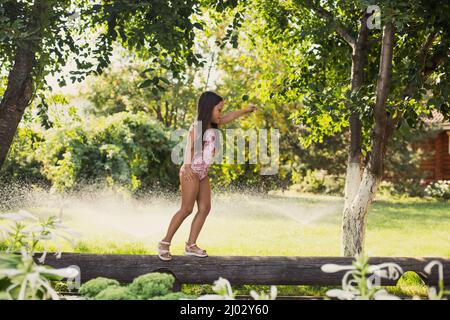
(202, 160)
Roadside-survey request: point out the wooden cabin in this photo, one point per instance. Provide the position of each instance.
(437, 151)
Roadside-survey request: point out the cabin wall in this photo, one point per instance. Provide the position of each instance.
(437, 163)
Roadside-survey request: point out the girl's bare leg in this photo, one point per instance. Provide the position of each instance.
(189, 191)
(203, 208)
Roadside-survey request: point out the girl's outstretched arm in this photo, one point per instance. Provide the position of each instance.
(230, 116)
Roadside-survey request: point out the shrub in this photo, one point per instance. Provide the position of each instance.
(115, 293)
(362, 281)
(93, 287)
(21, 165)
(173, 296)
(123, 150)
(21, 277)
(410, 188)
(319, 181)
(439, 189)
(151, 285)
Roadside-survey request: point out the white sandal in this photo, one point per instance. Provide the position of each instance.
(162, 252)
(197, 252)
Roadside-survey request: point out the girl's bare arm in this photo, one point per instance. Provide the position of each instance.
(230, 116)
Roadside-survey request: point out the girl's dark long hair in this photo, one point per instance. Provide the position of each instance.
(206, 103)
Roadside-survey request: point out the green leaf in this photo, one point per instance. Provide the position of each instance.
(145, 83)
(164, 80)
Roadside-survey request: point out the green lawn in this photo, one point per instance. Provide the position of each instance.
(287, 224)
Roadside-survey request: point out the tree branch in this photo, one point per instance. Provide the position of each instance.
(325, 14)
(423, 53)
(379, 137)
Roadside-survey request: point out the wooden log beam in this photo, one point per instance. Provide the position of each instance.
(268, 270)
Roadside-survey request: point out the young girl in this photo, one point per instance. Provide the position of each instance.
(194, 179)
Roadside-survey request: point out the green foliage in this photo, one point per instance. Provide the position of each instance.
(174, 296)
(92, 288)
(22, 279)
(21, 164)
(318, 181)
(318, 69)
(26, 231)
(20, 276)
(124, 150)
(291, 63)
(403, 174)
(116, 90)
(362, 280)
(151, 285)
(115, 293)
(439, 189)
(162, 32)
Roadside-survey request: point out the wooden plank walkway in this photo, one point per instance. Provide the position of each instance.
(267, 270)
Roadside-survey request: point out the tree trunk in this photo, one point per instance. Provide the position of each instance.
(353, 175)
(355, 214)
(359, 59)
(19, 89)
(157, 110)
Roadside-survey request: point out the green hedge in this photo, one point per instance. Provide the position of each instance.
(124, 150)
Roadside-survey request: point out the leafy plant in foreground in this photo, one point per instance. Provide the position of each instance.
(21, 277)
(362, 280)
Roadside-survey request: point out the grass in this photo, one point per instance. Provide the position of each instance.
(288, 224)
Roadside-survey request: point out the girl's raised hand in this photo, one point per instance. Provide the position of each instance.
(251, 108)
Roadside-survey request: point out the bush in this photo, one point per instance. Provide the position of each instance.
(411, 188)
(124, 150)
(319, 181)
(174, 296)
(93, 287)
(439, 189)
(151, 285)
(21, 165)
(246, 177)
(115, 293)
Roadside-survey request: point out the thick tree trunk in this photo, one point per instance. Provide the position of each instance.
(353, 175)
(355, 215)
(19, 89)
(16, 99)
(359, 59)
